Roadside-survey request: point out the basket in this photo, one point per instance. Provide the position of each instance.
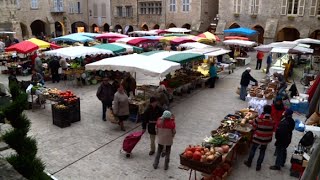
(200, 166)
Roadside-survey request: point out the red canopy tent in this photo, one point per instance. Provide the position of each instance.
(236, 37)
(23, 47)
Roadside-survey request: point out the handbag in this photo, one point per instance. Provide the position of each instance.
(111, 117)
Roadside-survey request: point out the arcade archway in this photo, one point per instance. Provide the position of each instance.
(260, 30)
(38, 28)
(288, 34)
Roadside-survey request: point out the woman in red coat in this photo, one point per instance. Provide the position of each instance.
(277, 111)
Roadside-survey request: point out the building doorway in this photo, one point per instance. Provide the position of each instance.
(118, 28)
(38, 28)
(260, 36)
(187, 26)
(315, 34)
(288, 34)
(144, 27)
(78, 26)
(234, 25)
(59, 29)
(24, 31)
(156, 26)
(95, 28)
(106, 27)
(171, 25)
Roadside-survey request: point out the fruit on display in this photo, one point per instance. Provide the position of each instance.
(202, 154)
(225, 148)
(61, 107)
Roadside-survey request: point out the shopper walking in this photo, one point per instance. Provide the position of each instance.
(38, 65)
(259, 60)
(213, 75)
(54, 66)
(149, 120)
(166, 130)
(263, 131)
(105, 94)
(162, 96)
(269, 62)
(277, 111)
(245, 80)
(283, 139)
(120, 106)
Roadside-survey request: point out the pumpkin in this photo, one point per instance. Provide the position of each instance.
(196, 156)
(189, 154)
(225, 148)
(219, 149)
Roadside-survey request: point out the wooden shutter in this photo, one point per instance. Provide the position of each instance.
(301, 7)
(115, 12)
(123, 11)
(256, 6)
(284, 5)
(235, 6)
(313, 8)
(251, 7)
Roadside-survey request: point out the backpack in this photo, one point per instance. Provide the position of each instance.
(307, 139)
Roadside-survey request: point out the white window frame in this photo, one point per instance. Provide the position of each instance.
(313, 7)
(318, 8)
(284, 7)
(34, 4)
(95, 10)
(70, 7)
(78, 5)
(295, 2)
(173, 6)
(237, 6)
(128, 11)
(301, 6)
(119, 11)
(185, 5)
(254, 7)
(18, 4)
(143, 9)
(103, 10)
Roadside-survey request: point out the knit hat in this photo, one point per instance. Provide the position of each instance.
(248, 68)
(289, 112)
(166, 115)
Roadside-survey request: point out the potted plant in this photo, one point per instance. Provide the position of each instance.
(236, 14)
(291, 18)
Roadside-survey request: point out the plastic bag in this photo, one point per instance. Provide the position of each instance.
(111, 117)
(299, 126)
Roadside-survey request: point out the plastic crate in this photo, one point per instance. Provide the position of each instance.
(60, 117)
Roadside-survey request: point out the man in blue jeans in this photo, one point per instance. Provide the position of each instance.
(283, 139)
(245, 81)
(263, 132)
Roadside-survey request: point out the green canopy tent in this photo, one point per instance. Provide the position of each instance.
(185, 57)
(150, 53)
(129, 48)
(112, 47)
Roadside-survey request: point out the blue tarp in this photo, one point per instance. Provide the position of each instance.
(90, 35)
(78, 37)
(241, 31)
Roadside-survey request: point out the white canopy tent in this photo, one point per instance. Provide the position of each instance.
(239, 43)
(163, 54)
(178, 30)
(218, 53)
(285, 47)
(194, 45)
(145, 33)
(76, 52)
(203, 50)
(308, 41)
(135, 63)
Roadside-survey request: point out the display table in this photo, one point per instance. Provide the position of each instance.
(243, 61)
(275, 69)
(258, 103)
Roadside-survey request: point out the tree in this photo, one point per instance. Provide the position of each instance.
(25, 161)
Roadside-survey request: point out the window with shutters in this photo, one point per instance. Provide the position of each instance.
(293, 7)
(318, 8)
(103, 10)
(78, 7)
(119, 11)
(34, 4)
(185, 5)
(172, 6)
(18, 4)
(315, 8)
(143, 9)
(150, 7)
(129, 11)
(236, 6)
(95, 10)
(71, 7)
(254, 7)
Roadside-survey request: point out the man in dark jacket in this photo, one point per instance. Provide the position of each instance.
(150, 117)
(283, 139)
(54, 66)
(245, 80)
(105, 94)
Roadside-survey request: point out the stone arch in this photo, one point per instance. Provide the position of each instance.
(59, 29)
(79, 26)
(156, 26)
(95, 28)
(144, 27)
(128, 29)
(260, 36)
(106, 27)
(288, 34)
(171, 25)
(118, 28)
(234, 25)
(187, 26)
(24, 30)
(38, 28)
(315, 34)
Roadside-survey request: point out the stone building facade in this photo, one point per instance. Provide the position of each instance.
(275, 20)
(49, 17)
(196, 15)
(99, 15)
(8, 18)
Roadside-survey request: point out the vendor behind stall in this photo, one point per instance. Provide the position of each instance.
(36, 78)
(245, 80)
(129, 84)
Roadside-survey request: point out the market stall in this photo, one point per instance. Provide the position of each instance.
(216, 154)
(194, 45)
(76, 51)
(77, 37)
(129, 48)
(111, 47)
(242, 58)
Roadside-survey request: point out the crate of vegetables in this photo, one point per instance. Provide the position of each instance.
(201, 159)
